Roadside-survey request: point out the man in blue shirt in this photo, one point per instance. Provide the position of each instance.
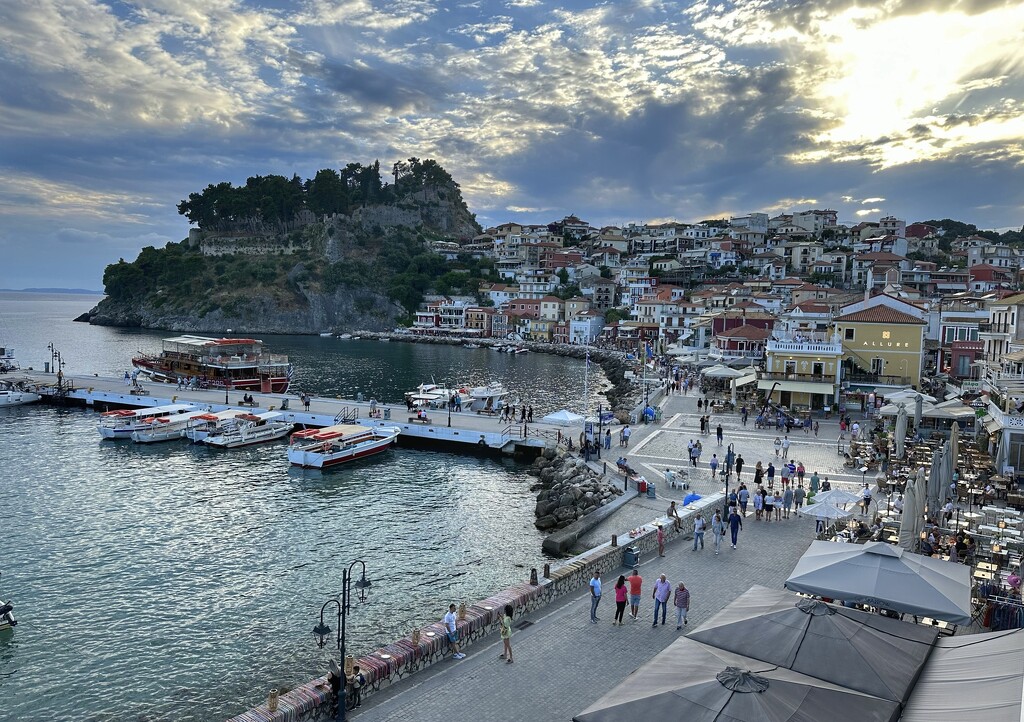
(595, 597)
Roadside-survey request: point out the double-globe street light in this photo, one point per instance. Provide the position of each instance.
(322, 631)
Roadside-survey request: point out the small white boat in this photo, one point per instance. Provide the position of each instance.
(470, 345)
(17, 392)
(333, 445)
(384, 340)
(345, 336)
(7, 620)
(249, 429)
(203, 425)
(122, 423)
(7, 361)
(520, 349)
(490, 398)
(326, 334)
(356, 338)
(164, 428)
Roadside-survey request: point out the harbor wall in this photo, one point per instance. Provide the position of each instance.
(389, 665)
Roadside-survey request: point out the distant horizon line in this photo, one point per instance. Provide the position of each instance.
(79, 291)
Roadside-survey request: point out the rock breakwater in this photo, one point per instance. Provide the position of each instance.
(567, 489)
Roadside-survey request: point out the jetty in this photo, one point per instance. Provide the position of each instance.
(465, 431)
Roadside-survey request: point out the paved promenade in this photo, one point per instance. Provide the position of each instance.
(563, 662)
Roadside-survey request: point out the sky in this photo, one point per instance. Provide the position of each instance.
(617, 112)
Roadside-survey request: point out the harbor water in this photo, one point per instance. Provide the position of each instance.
(175, 582)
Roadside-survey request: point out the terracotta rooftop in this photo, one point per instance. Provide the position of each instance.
(880, 314)
(751, 333)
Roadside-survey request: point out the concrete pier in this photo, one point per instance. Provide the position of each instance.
(465, 430)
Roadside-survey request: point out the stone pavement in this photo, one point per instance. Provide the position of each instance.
(564, 663)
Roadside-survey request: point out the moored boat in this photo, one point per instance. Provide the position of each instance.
(232, 363)
(249, 429)
(16, 392)
(203, 425)
(333, 445)
(7, 620)
(164, 428)
(490, 398)
(8, 362)
(122, 423)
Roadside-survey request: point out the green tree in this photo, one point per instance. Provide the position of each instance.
(563, 276)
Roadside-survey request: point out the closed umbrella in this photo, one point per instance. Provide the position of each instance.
(918, 410)
(934, 488)
(911, 517)
(901, 430)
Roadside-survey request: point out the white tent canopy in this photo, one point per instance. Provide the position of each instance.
(885, 576)
(563, 418)
(824, 511)
(723, 372)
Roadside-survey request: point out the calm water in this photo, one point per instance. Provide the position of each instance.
(180, 583)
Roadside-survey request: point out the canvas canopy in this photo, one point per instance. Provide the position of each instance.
(563, 418)
(977, 676)
(698, 683)
(857, 650)
(885, 576)
(723, 372)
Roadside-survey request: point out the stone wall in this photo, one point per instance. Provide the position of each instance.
(253, 246)
(384, 667)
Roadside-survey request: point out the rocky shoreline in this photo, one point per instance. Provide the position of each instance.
(623, 396)
(567, 489)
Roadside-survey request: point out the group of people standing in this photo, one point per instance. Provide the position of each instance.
(630, 589)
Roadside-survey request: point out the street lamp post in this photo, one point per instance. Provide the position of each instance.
(322, 631)
(600, 431)
(451, 402)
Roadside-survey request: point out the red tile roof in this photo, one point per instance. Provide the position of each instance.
(880, 314)
(752, 333)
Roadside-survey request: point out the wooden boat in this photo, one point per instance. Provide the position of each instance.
(249, 429)
(333, 445)
(203, 425)
(164, 428)
(122, 423)
(232, 363)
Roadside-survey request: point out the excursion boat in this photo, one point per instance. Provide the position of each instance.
(164, 428)
(333, 445)
(208, 424)
(431, 396)
(490, 398)
(225, 363)
(16, 392)
(7, 361)
(122, 423)
(249, 429)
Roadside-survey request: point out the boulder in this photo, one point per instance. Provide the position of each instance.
(545, 522)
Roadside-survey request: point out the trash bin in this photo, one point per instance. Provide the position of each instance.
(650, 490)
(630, 557)
(387, 413)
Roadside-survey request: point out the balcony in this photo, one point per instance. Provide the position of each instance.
(810, 346)
(862, 377)
(809, 378)
(994, 328)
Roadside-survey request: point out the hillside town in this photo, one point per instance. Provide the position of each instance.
(825, 316)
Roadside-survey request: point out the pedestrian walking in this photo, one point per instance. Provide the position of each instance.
(770, 474)
(635, 588)
(626, 433)
(699, 526)
(661, 593)
(758, 504)
(529, 414)
(769, 505)
(778, 445)
(735, 524)
(758, 475)
(815, 429)
(785, 446)
(661, 540)
(714, 465)
(717, 530)
(718, 434)
(452, 631)
(865, 495)
(739, 466)
(506, 634)
(730, 461)
(700, 405)
(777, 505)
(595, 597)
(744, 498)
(620, 600)
(682, 604)
(608, 439)
(787, 501)
(800, 471)
(855, 431)
(815, 483)
(798, 497)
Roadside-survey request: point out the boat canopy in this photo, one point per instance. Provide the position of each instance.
(330, 433)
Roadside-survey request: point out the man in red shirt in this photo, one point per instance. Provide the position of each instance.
(635, 582)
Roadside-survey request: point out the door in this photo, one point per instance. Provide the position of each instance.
(785, 398)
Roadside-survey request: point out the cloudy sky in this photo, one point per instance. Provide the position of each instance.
(111, 112)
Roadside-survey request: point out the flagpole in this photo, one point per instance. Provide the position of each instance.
(586, 371)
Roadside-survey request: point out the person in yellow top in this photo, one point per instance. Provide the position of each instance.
(506, 634)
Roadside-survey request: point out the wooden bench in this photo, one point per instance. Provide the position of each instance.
(139, 392)
(250, 404)
(417, 419)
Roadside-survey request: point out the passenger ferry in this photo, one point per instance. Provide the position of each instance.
(233, 363)
(122, 423)
(333, 445)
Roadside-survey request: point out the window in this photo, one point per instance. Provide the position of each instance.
(877, 365)
(790, 367)
(848, 334)
(818, 368)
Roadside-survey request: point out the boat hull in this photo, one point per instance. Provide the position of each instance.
(153, 370)
(155, 437)
(310, 459)
(17, 398)
(250, 438)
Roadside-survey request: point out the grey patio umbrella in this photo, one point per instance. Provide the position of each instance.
(918, 407)
(879, 656)
(912, 523)
(698, 683)
(934, 489)
(901, 430)
(885, 576)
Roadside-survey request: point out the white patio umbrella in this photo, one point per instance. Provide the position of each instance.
(824, 511)
(836, 496)
(954, 448)
(723, 372)
(933, 491)
(911, 520)
(901, 430)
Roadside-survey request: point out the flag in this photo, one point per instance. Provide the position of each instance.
(650, 351)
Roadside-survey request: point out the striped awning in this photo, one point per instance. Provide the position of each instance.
(991, 424)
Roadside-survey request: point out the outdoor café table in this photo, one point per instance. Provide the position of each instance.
(982, 574)
(988, 567)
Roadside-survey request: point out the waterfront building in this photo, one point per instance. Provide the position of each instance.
(882, 346)
(585, 327)
(802, 369)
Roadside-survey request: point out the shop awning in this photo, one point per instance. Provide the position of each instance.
(991, 424)
(800, 387)
(748, 379)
